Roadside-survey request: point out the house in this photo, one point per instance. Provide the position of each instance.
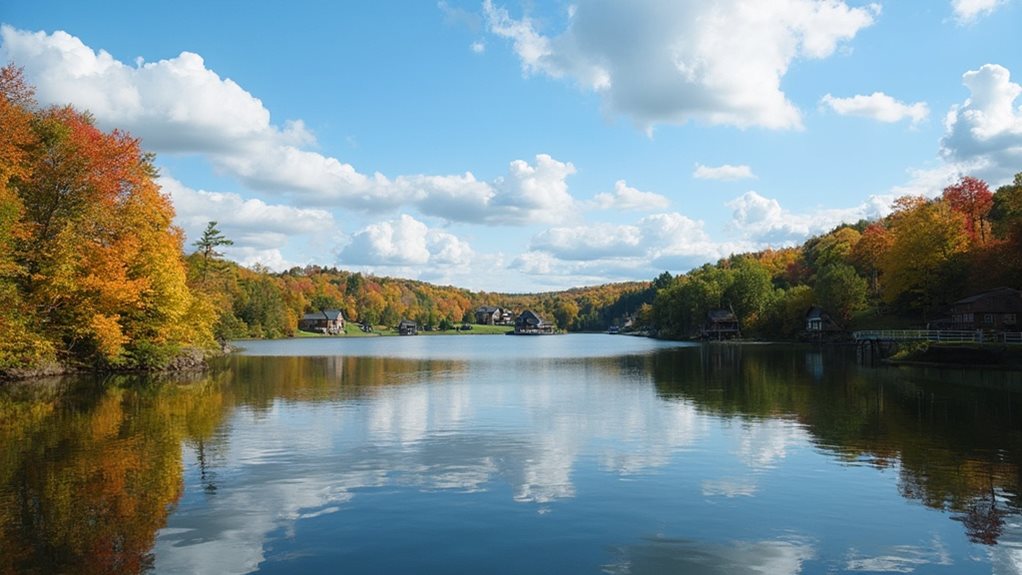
(819, 321)
(491, 315)
(721, 324)
(528, 323)
(407, 327)
(488, 315)
(997, 309)
(328, 321)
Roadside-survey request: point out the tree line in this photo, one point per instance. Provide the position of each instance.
(93, 273)
(903, 269)
(260, 303)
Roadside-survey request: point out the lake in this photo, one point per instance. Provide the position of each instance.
(489, 454)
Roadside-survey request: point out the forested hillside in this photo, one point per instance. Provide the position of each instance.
(905, 269)
(258, 303)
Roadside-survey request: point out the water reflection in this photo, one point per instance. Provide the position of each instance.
(777, 557)
(91, 469)
(705, 459)
(956, 446)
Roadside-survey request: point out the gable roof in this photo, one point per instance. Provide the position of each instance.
(529, 317)
(328, 314)
(1001, 291)
(721, 315)
(997, 300)
(816, 312)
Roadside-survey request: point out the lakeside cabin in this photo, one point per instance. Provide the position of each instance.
(819, 321)
(997, 310)
(721, 324)
(407, 327)
(327, 321)
(528, 323)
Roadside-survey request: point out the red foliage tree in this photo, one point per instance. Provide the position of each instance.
(971, 197)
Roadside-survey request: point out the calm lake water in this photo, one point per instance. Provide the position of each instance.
(562, 454)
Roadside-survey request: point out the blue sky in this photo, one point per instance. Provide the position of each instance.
(525, 146)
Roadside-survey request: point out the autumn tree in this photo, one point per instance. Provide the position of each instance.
(923, 267)
(869, 252)
(833, 248)
(95, 259)
(1006, 209)
(972, 198)
(840, 290)
(21, 344)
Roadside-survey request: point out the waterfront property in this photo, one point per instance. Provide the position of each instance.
(407, 327)
(996, 310)
(721, 324)
(528, 323)
(819, 321)
(328, 321)
(491, 315)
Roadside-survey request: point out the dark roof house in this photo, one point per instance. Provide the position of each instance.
(487, 315)
(528, 323)
(721, 324)
(818, 320)
(328, 321)
(407, 327)
(996, 309)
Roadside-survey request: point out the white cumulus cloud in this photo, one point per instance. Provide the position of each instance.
(258, 229)
(625, 197)
(877, 106)
(607, 251)
(984, 134)
(968, 11)
(671, 62)
(725, 172)
(178, 105)
(404, 242)
(763, 221)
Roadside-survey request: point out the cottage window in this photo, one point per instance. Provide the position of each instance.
(988, 318)
(1009, 318)
(967, 318)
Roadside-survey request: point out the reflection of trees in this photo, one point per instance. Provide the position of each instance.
(959, 447)
(333, 378)
(90, 471)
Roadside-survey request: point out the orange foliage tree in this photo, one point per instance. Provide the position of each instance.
(90, 252)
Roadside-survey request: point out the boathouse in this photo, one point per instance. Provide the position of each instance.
(528, 323)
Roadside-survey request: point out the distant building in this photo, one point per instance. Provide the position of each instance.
(721, 324)
(407, 327)
(528, 323)
(487, 315)
(819, 321)
(997, 309)
(328, 321)
(491, 315)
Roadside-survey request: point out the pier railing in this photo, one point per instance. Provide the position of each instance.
(937, 335)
